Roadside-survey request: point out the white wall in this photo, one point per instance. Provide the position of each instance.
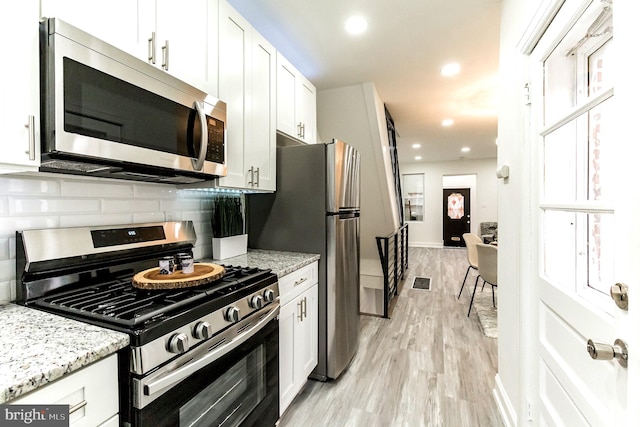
(33, 201)
(516, 321)
(355, 114)
(484, 199)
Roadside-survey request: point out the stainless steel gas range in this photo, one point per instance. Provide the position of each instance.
(203, 355)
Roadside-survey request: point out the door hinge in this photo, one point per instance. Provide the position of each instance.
(526, 94)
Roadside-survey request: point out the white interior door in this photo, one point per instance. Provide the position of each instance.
(583, 231)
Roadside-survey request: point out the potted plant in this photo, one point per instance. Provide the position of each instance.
(227, 223)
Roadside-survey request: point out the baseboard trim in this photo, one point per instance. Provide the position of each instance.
(505, 407)
(425, 245)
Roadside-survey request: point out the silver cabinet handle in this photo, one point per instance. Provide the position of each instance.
(300, 130)
(618, 351)
(300, 317)
(299, 282)
(31, 125)
(304, 133)
(251, 180)
(165, 55)
(304, 301)
(257, 177)
(152, 48)
(77, 407)
(204, 140)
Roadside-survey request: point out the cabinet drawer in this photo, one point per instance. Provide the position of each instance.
(297, 282)
(91, 393)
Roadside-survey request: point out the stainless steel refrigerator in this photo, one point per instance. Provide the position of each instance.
(316, 209)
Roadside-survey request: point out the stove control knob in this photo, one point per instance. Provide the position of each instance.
(269, 295)
(256, 301)
(178, 343)
(202, 331)
(232, 314)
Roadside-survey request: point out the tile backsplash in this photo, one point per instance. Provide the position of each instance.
(43, 200)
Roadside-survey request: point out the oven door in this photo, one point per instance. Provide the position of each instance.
(227, 381)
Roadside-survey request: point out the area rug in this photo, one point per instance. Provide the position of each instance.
(423, 283)
(487, 314)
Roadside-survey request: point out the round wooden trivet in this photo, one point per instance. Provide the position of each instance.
(203, 273)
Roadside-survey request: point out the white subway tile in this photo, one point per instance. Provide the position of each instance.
(91, 220)
(7, 269)
(29, 184)
(5, 292)
(36, 206)
(12, 247)
(9, 225)
(180, 205)
(130, 205)
(155, 191)
(148, 217)
(5, 252)
(4, 210)
(96, 187)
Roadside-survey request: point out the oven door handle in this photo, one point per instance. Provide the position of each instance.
(183, 372)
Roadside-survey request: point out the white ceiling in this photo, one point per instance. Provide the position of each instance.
(402, 51)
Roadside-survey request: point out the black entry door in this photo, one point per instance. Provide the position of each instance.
(456, 218)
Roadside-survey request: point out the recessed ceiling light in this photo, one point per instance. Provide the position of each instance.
(449, 70)
(465, 149)
(415, 146)
(447, 122)
(418, 157)
(356, 25)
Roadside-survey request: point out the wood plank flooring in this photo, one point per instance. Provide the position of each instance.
(429, 365)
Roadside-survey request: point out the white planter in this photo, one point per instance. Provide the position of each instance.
(227, 247)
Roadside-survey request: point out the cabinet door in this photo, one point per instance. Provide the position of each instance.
(91, 393)
(19, 87)
(261, 150)
(288, 318)
(286, 97)
(186, 41)
(234, 48)
(114, 21)
(306, 339)
(306, 109)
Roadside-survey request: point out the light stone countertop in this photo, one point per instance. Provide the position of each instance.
(280, 262)
(37, 348)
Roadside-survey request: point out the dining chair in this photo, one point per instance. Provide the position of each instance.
(470, 240)
(487, 270)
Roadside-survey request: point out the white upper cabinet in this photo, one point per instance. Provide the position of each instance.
(180, 39)
(247, 84)
(296, 103)
(114, 21)
(184, 40)
(19, 108)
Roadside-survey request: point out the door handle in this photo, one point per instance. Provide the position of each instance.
(620, 294)
(618, 351)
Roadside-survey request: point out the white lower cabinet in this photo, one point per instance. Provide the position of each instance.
(298, 350)
(91, 393)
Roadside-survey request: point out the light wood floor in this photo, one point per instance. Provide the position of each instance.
(429, 365)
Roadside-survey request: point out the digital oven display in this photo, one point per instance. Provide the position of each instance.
(123, 236)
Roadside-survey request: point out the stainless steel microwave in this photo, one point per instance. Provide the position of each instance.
(106, 113)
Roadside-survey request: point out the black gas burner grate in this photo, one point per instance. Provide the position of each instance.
(118, 302)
